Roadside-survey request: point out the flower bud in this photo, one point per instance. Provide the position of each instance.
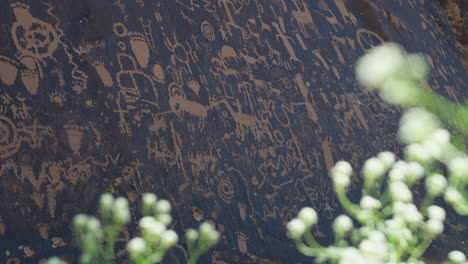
(105, 205)
(458, 168)
(121, 214)
(435, 184)
(387, 158)
(434, 227)
(374, 168)
(452, 195)
(308, 216)
(418, 153)
(342, 225)
(369, 203)
(148, 201)
(399, 91)
(169, 239)
(191, 235)
(417, 125)
(296, 228)
(342, 167)
(417, 66)
(55, 260)
(398, 172)
(399, 191)
(414, 172)
(457, 256)
(165, 219)
(136, 247)
(435, 212)
(86, 258)
(93, 227)
(380, 64)
(163, 207)
(79, 222)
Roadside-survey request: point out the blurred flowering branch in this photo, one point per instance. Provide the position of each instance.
(388, 227)
(96, 237)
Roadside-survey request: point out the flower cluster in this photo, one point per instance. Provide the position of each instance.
(96, 238)
(389, 226)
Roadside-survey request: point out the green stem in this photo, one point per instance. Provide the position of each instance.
(452, 114)
(348, 206)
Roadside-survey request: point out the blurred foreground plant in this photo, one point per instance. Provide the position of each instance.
(96, 237)
(387, 226)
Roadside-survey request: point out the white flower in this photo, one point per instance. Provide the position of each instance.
(296, 228)
(435, 212)
(374, 168)
(434, 227)
(149, 199)
(105, 204)
(436, 184)
(341, 180)
(342, 167)
(414, 172)
(452, 195)
(374, 248)
(459, 168)
(370, 203)
(408, 212)
(163, 207)
(457, 256)
(441, 136)
(121, 214)
(169, 239)
(191, 235)
(399, 91)
(387, 157)
(308, 216)
(400, 192)
(417, 66)
(136, 246)
(398, 171)
(351, 255)
(417, 125)
(418, 153)
(380, 64)
(342, 225)
(79, 222)
(164, 219)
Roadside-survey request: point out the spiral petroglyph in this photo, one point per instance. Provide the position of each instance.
(208, 31)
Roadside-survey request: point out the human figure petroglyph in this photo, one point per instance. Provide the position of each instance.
(180, 52)
(305, 93)
(304, 19)
(35, 41)
(226, 4)
(128, 71)
(280, 28)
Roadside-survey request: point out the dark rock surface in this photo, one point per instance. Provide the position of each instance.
(234, 110)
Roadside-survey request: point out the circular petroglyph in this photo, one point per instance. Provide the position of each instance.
(9, 141)
(226, 191)
(208, 31)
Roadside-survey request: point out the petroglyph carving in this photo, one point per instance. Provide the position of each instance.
(304, 19)
(9, 140)
(208, 31)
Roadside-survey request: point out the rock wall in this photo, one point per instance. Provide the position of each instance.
(234, 110)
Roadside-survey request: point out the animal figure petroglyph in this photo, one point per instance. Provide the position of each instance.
(304, 19)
